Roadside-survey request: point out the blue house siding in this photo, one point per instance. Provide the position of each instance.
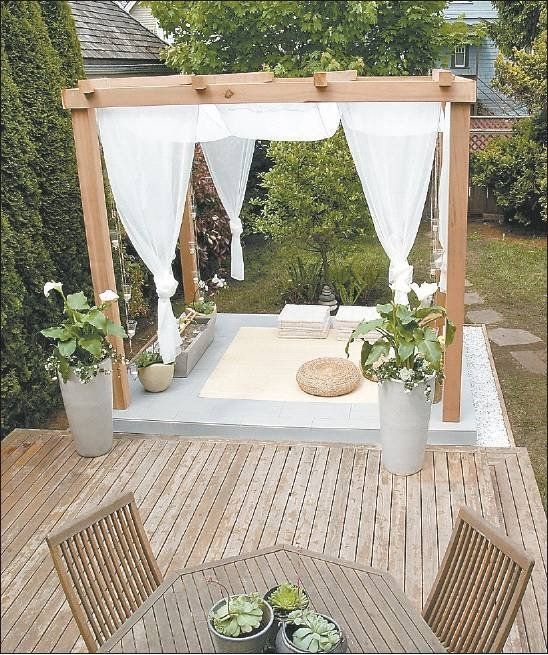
(481, 58)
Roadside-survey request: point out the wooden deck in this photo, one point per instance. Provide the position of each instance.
(207, 499)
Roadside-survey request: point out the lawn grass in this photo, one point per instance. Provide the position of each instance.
(509, 272)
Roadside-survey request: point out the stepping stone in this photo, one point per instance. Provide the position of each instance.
(512, 337)
(532, 360)
(472, 298)
(486, 316)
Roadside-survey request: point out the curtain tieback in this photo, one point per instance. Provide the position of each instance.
(166, 285)
(236, 229)
(400, 273)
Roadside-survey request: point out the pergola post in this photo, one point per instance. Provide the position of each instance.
(187, 251)
(90, 174)
(456, 254)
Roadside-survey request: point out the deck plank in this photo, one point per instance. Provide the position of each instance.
(206, 499)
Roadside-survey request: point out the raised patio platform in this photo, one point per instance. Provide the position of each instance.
(204, 499)
(246, 388)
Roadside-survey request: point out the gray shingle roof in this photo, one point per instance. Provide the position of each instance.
(107, 32)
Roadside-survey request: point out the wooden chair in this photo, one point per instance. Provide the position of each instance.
(106, 568)
(478, 589)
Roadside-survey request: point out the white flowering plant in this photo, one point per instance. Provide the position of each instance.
(409, 348)
(204, 302)
(80, 341)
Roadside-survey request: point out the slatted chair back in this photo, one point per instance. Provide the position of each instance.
(106, 568)
(478, 589)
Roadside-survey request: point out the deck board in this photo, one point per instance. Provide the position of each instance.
(206, 499)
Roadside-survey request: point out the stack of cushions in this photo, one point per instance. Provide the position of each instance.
(304, 322)
(349, 317)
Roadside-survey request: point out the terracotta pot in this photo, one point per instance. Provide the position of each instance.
(89, 411)
(404, 418)
(156, 377)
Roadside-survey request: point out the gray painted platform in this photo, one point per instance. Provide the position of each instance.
(180, 411)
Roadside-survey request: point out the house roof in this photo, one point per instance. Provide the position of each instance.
(113, 42)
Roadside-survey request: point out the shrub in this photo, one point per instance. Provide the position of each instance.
(147, 358)
(514, 168)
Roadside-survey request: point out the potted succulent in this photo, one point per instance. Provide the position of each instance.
(240, 624)
(406, 359)
(153, 373)
(286, 598)
(82, 362)
(306, 631)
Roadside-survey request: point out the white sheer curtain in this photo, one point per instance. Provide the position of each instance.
(443, 195)
(229, 161)
(393, 145)
(148, 153)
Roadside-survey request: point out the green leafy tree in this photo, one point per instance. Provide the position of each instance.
(314, 197)
(514, 167)
(36, 70)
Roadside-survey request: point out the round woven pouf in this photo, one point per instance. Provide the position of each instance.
(328, 376)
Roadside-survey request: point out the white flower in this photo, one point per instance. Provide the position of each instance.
(441, 340)
(425, 290)
(108, 296)
(49, 286)
(218, 282)
(202, 285)
(406, 374)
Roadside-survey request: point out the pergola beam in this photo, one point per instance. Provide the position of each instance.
(206, 89)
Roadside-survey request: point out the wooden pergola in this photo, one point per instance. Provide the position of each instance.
(263, 87)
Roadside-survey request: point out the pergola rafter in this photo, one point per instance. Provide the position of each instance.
(263, 87)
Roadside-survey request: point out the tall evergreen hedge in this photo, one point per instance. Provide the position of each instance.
(42, 228)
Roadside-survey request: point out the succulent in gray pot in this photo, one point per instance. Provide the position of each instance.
(240, 623)
(306, 631)
(154, 375)
(284, 599)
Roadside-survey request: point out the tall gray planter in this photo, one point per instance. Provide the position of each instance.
(89, 411)
(404, 419)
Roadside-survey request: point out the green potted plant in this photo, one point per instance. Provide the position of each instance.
(286, 598)
(240, 623)
(153, 373)
(405, 360)
(82, 362)
(306, 631)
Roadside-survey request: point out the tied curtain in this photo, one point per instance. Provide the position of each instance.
(393, 146)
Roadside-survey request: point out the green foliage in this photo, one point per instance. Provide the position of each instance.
(62, 34)
(293, 37)
(42, 229)
(514, 168)
(314, 196)
(305, 282)
(519, 24)
(316, 634)
(147, 358)
(355, 278)
(238, 615)
(408, 348)
(81, 339)
(37, 72)
(288, 597)
(203, 306)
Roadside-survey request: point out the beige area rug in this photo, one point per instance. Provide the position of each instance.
(258, 365)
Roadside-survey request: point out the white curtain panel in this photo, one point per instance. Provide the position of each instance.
(229, 161)
(393, 145)
(148, 155)
(443, 195)
(290, 121)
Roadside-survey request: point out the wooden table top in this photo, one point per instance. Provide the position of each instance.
(367, 603)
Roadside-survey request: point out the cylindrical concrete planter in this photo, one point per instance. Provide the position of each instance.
(89, 411)
(285, 645)
(253, 643)
(156, 377)
(404, 419)
(280, 616)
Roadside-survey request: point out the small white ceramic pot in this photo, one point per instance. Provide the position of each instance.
(404, 418)
(156, 377)
(89, 411)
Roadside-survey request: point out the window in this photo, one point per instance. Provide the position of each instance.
(460, 57)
